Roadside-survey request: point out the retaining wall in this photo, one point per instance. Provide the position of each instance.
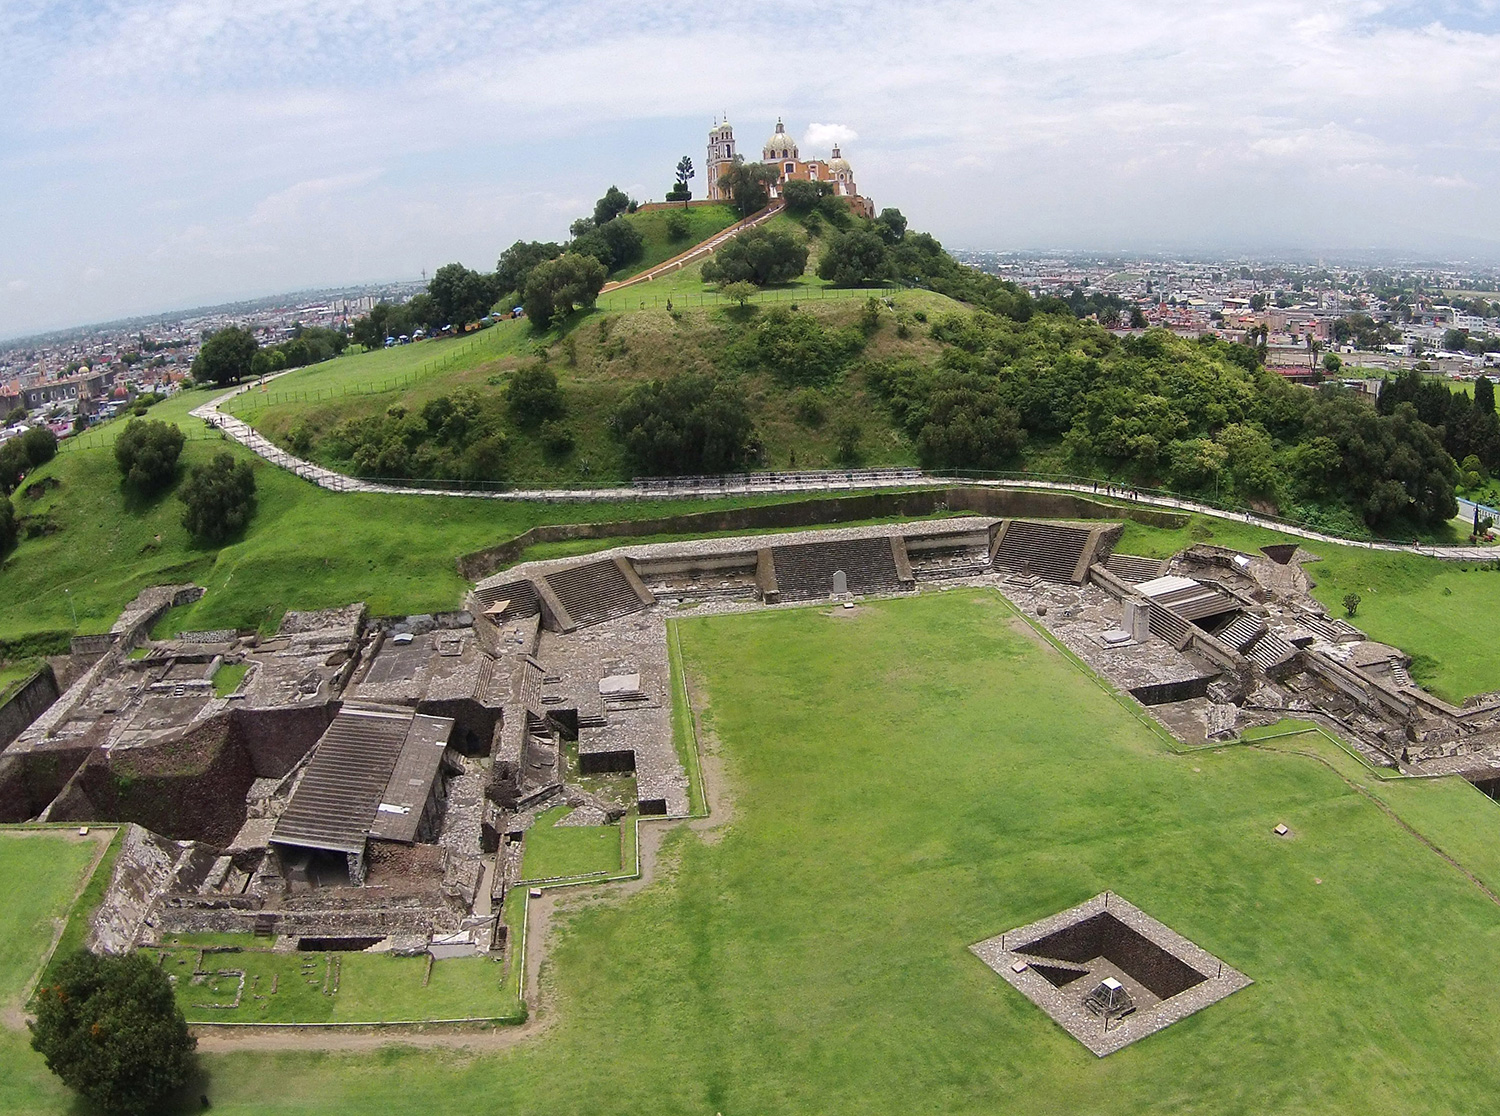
(998, 502)
(27, 704)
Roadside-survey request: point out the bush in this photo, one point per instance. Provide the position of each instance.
(1351, 604)
(557, 439)
(678, 226)
(8, 528)
(685, 424)
(111, 1030)
(808, 409)
(147, 452)
(220, 498)
(533, 396)
(760, 256)
(797, 349)
(848, 436)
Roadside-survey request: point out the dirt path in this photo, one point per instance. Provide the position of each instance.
(541, 916)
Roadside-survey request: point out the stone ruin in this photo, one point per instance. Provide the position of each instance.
(372, 780)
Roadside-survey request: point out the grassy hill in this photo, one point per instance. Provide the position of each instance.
(631, 337)
(703, 222)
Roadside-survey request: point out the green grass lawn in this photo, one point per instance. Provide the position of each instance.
(917, 775)
(384, 370)
(551, 851)
(333, 987)
(39, 875)
(228, 677)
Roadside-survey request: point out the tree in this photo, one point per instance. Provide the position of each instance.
(680, 191)
(460, 295)
(685, 424)
(1332, 364)
(614, 244)
(40, 445)
(1351, 604)
(611, 205)
(533, 396)
(220, 499)
(760, 256)
(855, 258)
(969, 428)
(225, 357)
(740, 292)
(749, 185)
(891, 225)
(147, 452)
(1137, 318)
(517, 262)
(1484, 395)
(110, 1028)
(556, 287)
(802, 196)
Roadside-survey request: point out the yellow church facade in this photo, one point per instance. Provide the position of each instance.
(780, 152)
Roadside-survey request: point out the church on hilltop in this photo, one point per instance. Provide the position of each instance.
(780, 151)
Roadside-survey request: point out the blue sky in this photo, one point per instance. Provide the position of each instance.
(175, 152)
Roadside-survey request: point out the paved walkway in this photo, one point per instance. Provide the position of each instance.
(755, 484)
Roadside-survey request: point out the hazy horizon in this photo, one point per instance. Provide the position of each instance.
(199, 152)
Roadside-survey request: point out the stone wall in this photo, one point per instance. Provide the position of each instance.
(999, 502)
(27, 704)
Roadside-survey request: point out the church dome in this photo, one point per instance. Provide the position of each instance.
(780, 145)
(838, 162)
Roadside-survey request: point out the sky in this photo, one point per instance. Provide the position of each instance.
(160, 154)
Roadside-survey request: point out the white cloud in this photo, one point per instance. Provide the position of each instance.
(211, 147)
(820, 137)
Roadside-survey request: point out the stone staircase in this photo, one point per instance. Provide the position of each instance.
(1048, 550)
(594, 593)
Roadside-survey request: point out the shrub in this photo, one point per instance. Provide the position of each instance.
(797, 349)
(147, 452)
(533, 396)
(557, 439)
(110, 1029)
(8, 529)
(848, 435)
(685, 424)
(1351, 604)
(808, 409)
(220, 498)
(678, 226)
